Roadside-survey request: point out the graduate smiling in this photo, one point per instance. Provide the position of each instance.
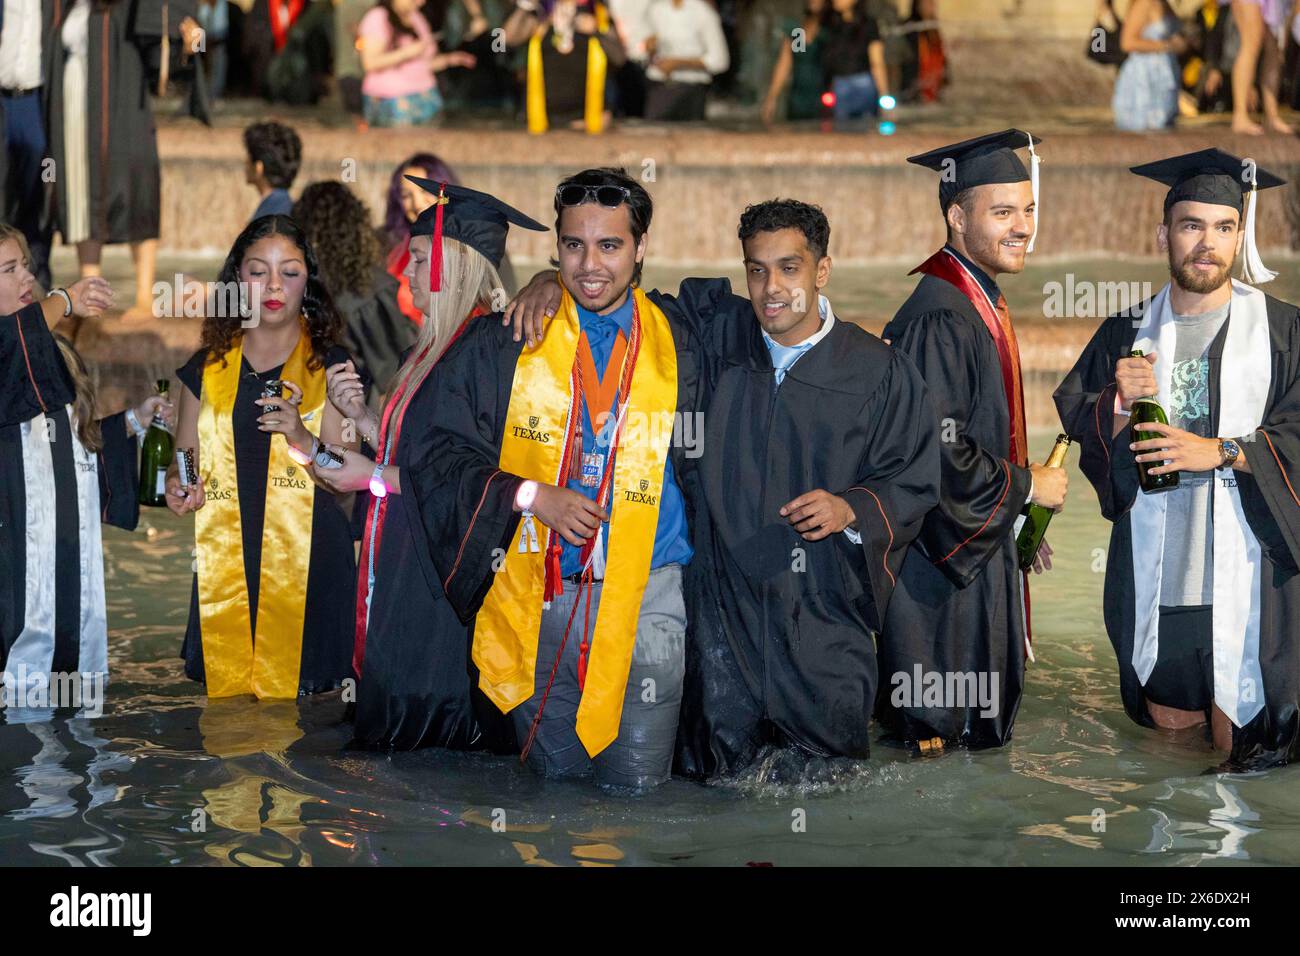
(819, 464)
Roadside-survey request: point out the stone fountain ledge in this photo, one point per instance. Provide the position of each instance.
(881, 208)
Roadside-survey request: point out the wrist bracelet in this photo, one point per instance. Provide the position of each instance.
(66, 298)
(133, 422)
(377, 486)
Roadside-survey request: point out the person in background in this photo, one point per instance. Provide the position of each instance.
(926, 72)
(214, 17)
(265, 33)
(571, 46)
(22, 37)
(403, 206)
(687, 49)
(1146, 89)
(400, 57)
(855, 61)
(1260, 23)
(630, 80)
(274, 154)
(337, 225)
(803, 73)
(101, 131)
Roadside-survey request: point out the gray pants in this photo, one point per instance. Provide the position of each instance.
(642, 755)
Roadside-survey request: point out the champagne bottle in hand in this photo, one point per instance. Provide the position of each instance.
(1143, 412)
(1036, 516)
(155, 456)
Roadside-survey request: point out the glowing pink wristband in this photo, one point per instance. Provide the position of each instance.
(377, 486)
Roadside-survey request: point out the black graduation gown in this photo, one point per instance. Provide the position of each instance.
(957, 607)
(34, 379)
(465, 503)
(123, 163)
(418, 686)
(782, 629)
(1085, 401)
(327, 631)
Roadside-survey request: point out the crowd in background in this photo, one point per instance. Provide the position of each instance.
(1232, 56)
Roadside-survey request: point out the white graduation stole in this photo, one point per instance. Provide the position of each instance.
(1238, 680)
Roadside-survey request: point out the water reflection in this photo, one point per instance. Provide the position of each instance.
(263, 817)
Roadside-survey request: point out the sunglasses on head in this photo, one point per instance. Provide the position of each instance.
(608, 196)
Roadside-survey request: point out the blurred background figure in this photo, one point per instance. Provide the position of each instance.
(687, 50)
(214, 17)
(800, 66)
(400, 57)
(101, 128)
(375, 332)
(274, 155)
(1146, 89)
(23, 30)
(630, 80)
(925, 71)
(856, 72)
(286, 50)
(1262, 26)
(403, 206)
(572, 48)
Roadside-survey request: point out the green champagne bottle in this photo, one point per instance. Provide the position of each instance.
(1037, 516)
(155, 457)
(1143, 412)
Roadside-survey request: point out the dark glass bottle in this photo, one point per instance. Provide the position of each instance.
(1037, 516)
(155, 457)
(1145, 411)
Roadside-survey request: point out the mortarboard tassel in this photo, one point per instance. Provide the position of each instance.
(435, 253)
(1033, 182)
(1253, 269)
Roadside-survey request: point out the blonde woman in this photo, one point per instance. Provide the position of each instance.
(62, 472)
(411, 651)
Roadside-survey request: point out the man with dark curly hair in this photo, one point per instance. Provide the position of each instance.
(274, 155)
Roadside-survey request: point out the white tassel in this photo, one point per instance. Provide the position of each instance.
(1253, 270)
(1034, 160)
(597, 559)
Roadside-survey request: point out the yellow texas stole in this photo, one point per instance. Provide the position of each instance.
(538, 424)
(594, 99)
(234, 660)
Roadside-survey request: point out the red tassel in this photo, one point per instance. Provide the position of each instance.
(586, 632)
(554, 583)
(435, 254)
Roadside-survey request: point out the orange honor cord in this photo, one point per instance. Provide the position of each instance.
(630, 352)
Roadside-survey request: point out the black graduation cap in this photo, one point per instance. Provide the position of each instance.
(477, 219)
(1213, 176)
(982, 161)
(1210, 175)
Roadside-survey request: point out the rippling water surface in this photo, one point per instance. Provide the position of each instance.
(165, 777)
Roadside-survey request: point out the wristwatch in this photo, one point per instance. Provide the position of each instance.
(1230, 451)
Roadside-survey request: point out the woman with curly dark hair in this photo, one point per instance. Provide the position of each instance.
(271, 608)
(337, 225)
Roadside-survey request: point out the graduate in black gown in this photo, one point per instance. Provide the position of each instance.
(808, 482)
(271, 605)
(62, 473)
(820, 462)
(1202, 593)
(418, 687)
(955, 639)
